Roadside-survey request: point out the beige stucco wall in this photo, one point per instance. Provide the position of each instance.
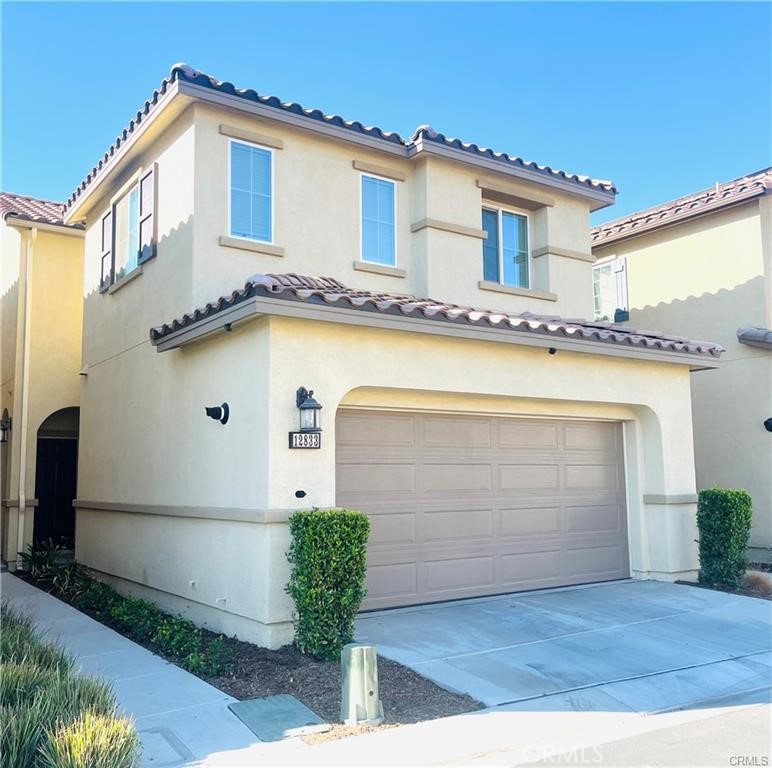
(52, 263)
(704, 279)
(196, 512)
(317, 217)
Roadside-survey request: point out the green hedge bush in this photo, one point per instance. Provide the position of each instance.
(328, 555)
(724, 521)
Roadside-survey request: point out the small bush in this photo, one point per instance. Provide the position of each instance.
(724, 521)
(91, 741)
(328, 556)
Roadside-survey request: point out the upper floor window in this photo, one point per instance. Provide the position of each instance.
(251, 192)
(127, 231)
(505, 250)
(378, 221)
(609, 290)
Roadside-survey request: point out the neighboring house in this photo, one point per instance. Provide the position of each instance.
(701, 266)
(41, 306)
(494, 451)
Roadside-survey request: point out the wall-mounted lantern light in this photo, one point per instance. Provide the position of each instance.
(5, 426)
(310, 434)
(310, 417)
(218, 412)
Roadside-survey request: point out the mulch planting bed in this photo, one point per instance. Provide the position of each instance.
(406, 696)
(729, 590)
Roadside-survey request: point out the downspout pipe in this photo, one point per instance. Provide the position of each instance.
(24, 394)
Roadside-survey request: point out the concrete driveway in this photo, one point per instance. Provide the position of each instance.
(639, 646)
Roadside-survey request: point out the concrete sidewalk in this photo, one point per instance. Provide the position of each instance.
(180, 718)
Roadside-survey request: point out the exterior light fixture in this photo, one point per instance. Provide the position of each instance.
(5, 426)
(218, 412)
(309, 410)
(310, 433)
(768, 424)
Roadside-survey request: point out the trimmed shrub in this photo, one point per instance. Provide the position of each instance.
(724, 521)
(328, 555)
(91, 741)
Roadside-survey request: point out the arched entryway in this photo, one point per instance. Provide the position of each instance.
(56, 477)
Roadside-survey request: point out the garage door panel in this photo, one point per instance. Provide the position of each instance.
(528, 477)
(376, 478)
(457, 477)
(462, 524)
(527, 566)
(456, 433)
(462, 506)
(466, 572)
(599, 477)
(595, 517)
(529, 521)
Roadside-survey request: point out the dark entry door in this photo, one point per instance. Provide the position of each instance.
(55, 488)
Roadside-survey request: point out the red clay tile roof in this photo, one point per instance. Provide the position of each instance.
(32, 209)
(697, 204)
(328, 291)
(185, 73)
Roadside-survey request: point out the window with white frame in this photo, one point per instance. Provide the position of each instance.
(378, 221)
(127, 230)
(506, 250)
(251, 192)
(609, 289)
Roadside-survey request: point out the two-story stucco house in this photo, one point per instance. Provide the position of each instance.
(41, 306)
(701, 265)
(239, 248)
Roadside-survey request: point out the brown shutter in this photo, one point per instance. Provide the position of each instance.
(107, 251)
(147, 234)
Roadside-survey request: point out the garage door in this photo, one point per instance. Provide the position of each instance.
(462, 506)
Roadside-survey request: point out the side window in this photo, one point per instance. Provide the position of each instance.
(378, 223)
(506, 253)
(128, 236)
(251, 192)
(609, 290)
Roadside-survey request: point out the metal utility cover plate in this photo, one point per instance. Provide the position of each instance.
(274, 718)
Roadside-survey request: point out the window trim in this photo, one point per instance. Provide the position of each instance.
(362, 175)
(498, 209)
(133, 182)
(611, 261)
(271, 152)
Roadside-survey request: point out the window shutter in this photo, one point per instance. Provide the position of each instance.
(147, 230)
(107, 252)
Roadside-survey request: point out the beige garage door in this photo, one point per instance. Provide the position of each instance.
(462, 506)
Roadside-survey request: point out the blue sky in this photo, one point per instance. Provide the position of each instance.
(663, 98)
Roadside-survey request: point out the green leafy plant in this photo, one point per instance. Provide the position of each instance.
(42, 561)
(92, 741)
(724, 522)
(327, 583)
(42, 701)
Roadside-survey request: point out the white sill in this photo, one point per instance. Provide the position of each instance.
(256, 246)
(379, 269)
(488, 285)
(127, 278)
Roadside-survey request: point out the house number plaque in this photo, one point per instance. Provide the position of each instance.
(305, 439)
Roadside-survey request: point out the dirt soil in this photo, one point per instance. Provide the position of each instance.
(406, 696)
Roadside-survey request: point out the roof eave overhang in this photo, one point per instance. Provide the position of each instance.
(598, 198)
(675, 221)
(45, 226)
(257, 306)
(77, 210)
